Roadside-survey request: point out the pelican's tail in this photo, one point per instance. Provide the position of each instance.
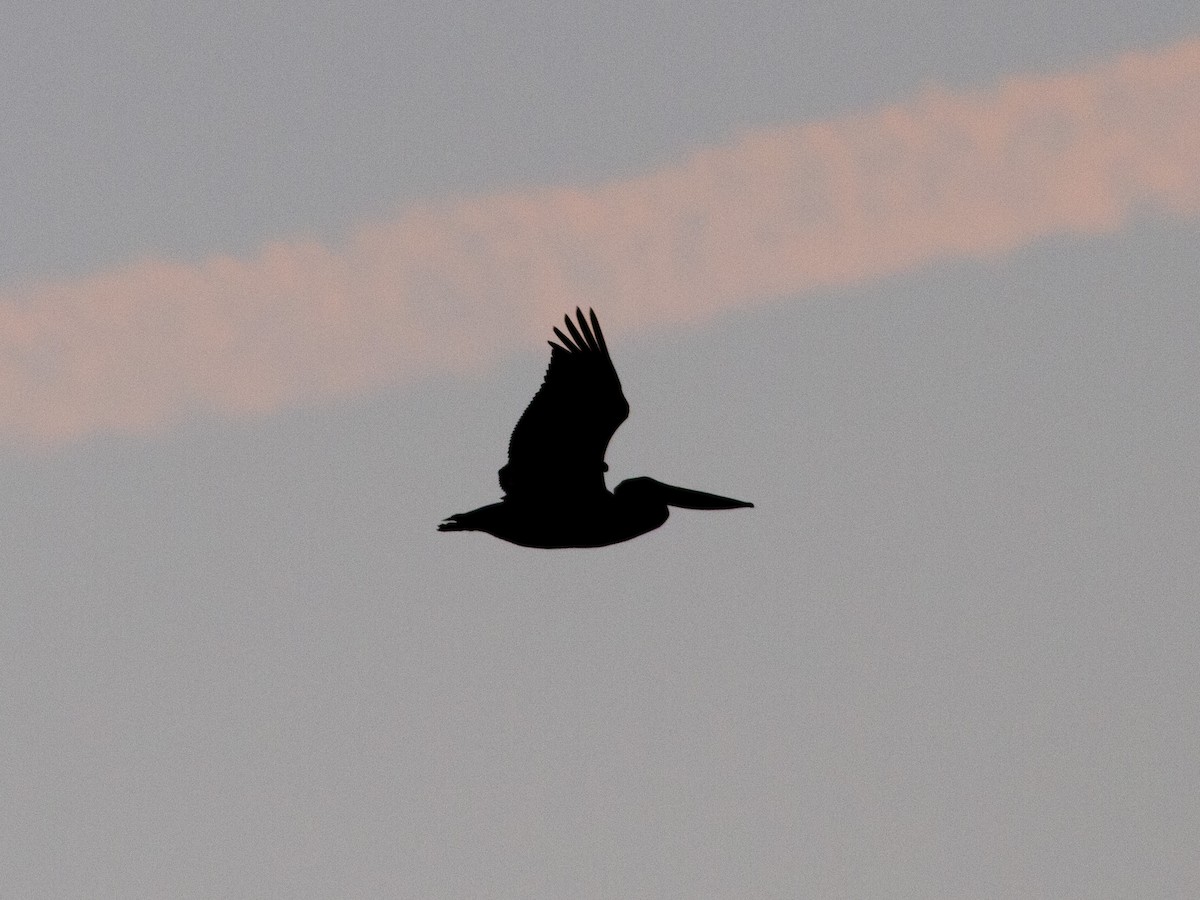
(458, 522)
(475, 520)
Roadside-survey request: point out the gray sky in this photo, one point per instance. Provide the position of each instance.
(951, 652)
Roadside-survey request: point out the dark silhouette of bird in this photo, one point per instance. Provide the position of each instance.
(553, 483)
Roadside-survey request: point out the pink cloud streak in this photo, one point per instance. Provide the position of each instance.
(449, 286)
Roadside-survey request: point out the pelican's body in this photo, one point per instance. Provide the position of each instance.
(608, 518)
(554, 491)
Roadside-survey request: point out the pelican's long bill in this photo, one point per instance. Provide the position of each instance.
(686, 498)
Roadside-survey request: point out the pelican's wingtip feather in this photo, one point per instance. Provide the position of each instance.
(567, 343)
(583, 345)
(597, 332)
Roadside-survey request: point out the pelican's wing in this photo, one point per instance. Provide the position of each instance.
(557, 449)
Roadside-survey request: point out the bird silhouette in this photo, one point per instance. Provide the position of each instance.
(553, 483)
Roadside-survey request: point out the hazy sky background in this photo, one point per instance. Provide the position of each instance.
(920, 283)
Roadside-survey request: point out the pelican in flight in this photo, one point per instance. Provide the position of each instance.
(554, 491)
